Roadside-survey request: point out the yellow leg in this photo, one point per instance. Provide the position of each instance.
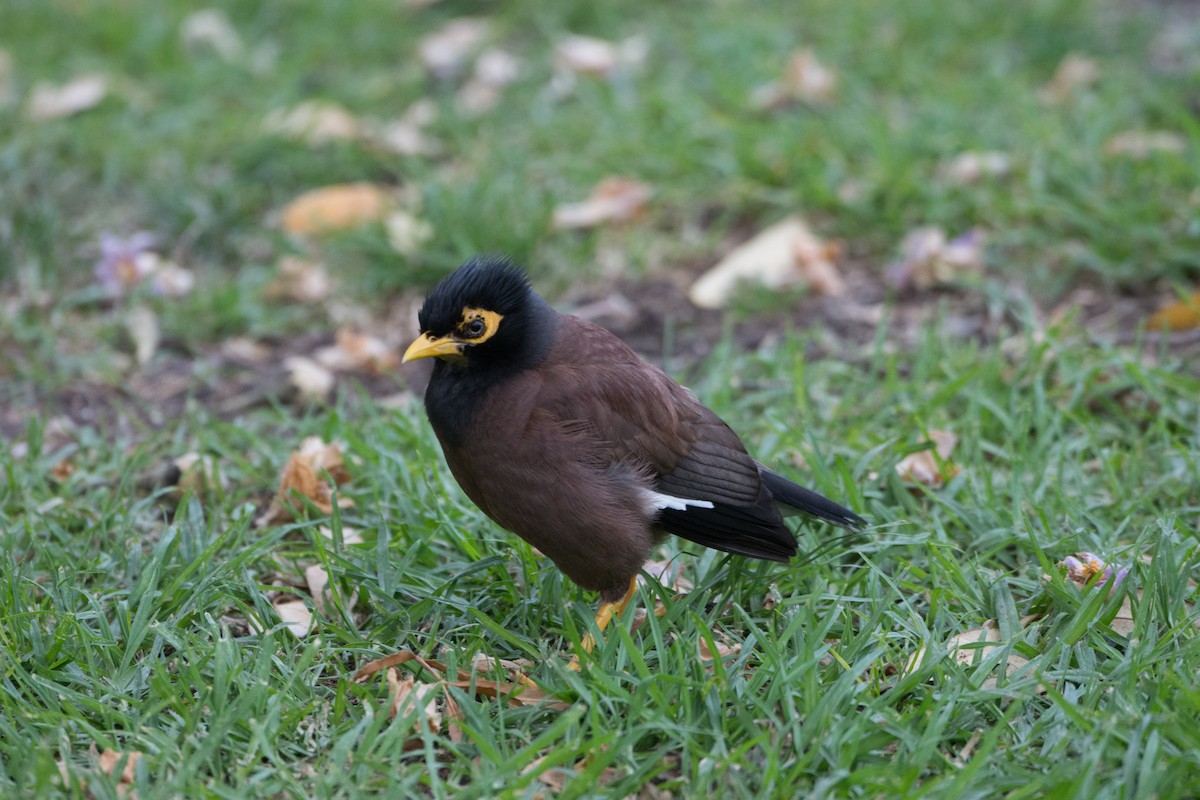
(604, 616)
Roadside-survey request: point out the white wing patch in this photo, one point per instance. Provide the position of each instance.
(656, 501)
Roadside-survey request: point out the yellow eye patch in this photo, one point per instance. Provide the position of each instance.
(477, 325)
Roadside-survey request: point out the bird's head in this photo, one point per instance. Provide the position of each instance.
(484, 313)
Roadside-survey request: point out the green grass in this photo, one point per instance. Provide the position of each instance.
(125, 609)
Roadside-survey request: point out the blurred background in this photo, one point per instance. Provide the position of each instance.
(280, 169)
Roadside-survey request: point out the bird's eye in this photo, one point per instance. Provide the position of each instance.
(475, 328)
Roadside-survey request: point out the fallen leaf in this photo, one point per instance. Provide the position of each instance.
(723, 650)
(408, 698)
(295, 615)
(168, 279)
(927, 258)
(805, 80)
(209, 27)
(50, 101)
(973, 647)
(615, 199)
(8, 89)
(973, 166)
(312, 381)
(142, 326)
(406, 136)
(591, 56)
(198, 474)
(494, 70)
(786, 253)
(1141, 145)
(336, 208)
(349, 535)
(358, 352)
(314, 122)
(407, 232)
(300, 280)
(62, 470)
(926, 468)
(446, 51)
(669, 574)
(302, 475)
(1074, 73)
(110, 760)
(1180, 315)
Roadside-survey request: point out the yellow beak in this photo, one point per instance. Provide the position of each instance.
(427, 345)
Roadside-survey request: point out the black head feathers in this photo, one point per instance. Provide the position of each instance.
(488, 282)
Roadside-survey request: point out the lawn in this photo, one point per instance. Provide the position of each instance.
(170, 631)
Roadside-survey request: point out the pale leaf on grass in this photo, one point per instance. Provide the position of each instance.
(805, 80)
(446, 51)
(53, 101)
(300, 280)
(787, 253)
(669, 574)
(8, 90)
(555, 776)
(1141, 145)
(295, 615)
(313, 381)
(973, 647)
(928, 258)
(974, 166)
(141, 323)
(314, 122)
(407, 232)
(930, 468)
(349, 535)
(615, 199)
(406, 135)
(303, 475)
(1180, 315)
(408, 699)
(339, 207)
(494, 70)
(591, 56)
(198, 474)
(210, 28)
(110, 761)
(358, 352)
(171, 280)
(723, 650)
(1075, 73)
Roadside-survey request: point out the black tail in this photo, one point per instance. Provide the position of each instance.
(806, 500)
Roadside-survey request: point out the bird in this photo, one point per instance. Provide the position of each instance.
(562, 434)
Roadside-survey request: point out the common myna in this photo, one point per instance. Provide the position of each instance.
(562, 434)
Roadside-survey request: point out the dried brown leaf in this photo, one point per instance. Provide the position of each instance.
(930, 468)
(784, 254)
(615, 199)
(209, 27)
(295, 615)
(110, 760)
(445, 52)
(53, 101)
(302, 475)
(805, 80)
(406, 135)
(336, 208)
(407, 697)
(590, 56)
(966, 649)
(311, 380)
(141, 323)
(1074, 73)
(314, 122)
(300, 280)
(360, 352)
(1141, 145)
(973, 166)
(1180, 315)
